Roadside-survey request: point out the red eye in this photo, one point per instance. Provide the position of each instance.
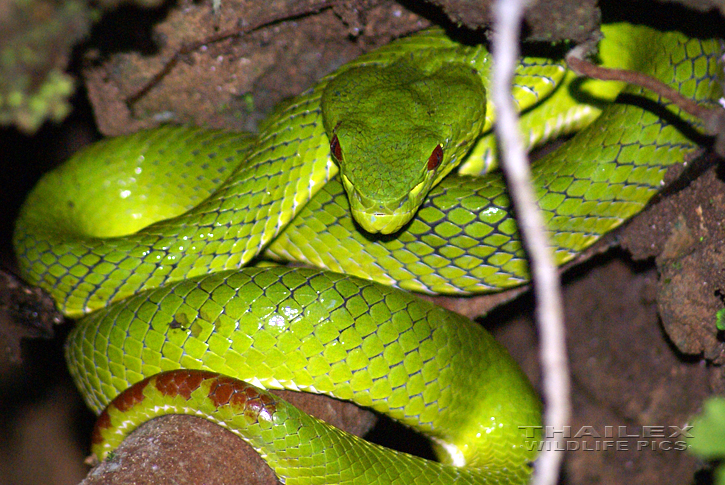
(435, 158)
(336, 149)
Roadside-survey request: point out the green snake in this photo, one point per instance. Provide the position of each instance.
(146, 234)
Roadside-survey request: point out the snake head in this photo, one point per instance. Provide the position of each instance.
(384, 195)
(395, 131)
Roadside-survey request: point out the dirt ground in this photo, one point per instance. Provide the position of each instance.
(642, 341)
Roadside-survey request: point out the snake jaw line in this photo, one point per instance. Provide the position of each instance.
(385, 217)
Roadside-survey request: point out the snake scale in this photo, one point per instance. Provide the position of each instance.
(146, 235)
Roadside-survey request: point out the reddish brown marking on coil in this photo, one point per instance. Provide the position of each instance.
(130, 397)
(435, 158)
(225, 391)
(221, 391)
(181, 382)
(103, 422)
(123, 402)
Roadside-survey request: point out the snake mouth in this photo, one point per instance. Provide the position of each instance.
(385, 217)
(378, 222)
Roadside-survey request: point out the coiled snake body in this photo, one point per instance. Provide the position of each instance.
(147, 233)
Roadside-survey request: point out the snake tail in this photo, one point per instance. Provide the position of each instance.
(300, 448)
(308, 330)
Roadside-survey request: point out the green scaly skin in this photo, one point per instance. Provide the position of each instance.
(464, 240)
(329, 333)
(388, 120)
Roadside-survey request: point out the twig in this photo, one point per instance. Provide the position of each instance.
(554, 365)
(713, 119)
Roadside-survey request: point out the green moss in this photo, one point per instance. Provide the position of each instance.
(36, 40)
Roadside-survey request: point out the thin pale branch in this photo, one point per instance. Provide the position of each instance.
(554, 362)
(712, 118)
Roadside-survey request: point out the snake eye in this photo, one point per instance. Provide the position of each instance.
(336, 149)
(435, 158)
